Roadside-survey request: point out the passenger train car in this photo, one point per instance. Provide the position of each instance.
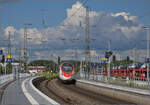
(133, 73)
(66, 73)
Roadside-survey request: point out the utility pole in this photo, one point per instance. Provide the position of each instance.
(87, 40)
(76, 58)
(148, 55)
(19, 51)
(9, 44)
(19, 63)
(0, 18)
(109, 43)
(147, 58)
(25, 46)
(9, 49)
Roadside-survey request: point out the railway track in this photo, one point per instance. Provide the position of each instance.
(72, 94)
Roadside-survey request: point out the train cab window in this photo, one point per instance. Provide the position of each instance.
(67, 67)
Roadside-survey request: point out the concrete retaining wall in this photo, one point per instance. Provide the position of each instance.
(119, 94)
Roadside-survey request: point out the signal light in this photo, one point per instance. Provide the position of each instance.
(108, 54)
(114, 58)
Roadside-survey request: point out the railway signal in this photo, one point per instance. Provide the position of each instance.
(58, 60)
(128, 58)
(114, 58)
(3, 59)
(108, 54)
(147, 60)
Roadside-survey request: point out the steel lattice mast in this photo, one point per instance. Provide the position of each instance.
(87, 40)
(25, 46)
(9, 44)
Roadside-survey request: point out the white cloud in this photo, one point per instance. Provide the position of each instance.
(126, 16)
(10, 29)
(76, 14)
(129, 32)
(121, 28)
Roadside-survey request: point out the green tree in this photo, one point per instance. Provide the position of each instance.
(9, 68)
(48, 64)
(2, 70)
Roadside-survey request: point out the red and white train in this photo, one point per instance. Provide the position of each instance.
(66, 73)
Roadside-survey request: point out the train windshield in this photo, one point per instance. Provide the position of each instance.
(67, 67)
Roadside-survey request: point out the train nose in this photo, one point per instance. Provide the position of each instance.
(67, 75)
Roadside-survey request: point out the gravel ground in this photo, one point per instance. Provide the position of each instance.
(72, 94)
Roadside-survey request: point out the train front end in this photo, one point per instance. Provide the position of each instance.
(66, 72)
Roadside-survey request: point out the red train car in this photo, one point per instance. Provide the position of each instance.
(138, 74)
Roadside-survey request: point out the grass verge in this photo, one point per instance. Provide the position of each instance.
(47, 75)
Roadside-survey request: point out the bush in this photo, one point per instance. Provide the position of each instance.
(2, 70)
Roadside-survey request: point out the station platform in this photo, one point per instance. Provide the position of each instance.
(22, 92)
(118, 87)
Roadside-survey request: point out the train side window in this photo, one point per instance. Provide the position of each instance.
(145, 73)
(136, 73)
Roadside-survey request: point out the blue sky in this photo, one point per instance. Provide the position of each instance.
(117, 20)
(17, 13)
